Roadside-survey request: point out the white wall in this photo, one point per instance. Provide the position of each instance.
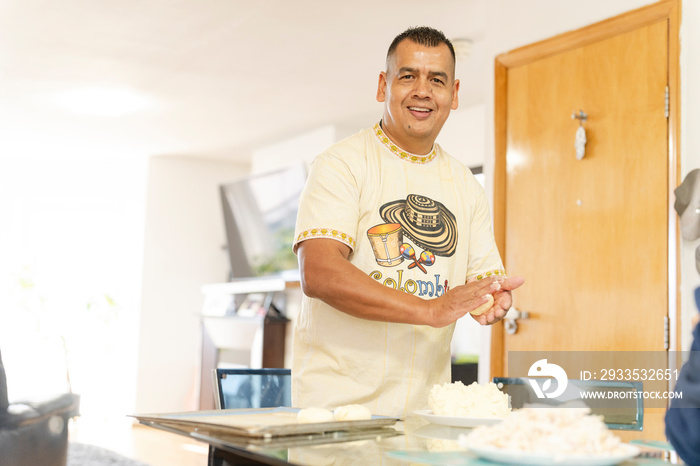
(183, 250)
(303, 147)
(463, 135)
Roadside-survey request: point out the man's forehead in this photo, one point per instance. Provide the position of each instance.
(403, 50)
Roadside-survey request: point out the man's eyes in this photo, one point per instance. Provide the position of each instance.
(439, 81)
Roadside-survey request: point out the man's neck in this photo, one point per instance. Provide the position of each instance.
(413, 145)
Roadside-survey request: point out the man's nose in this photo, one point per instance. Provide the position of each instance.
(422, 88)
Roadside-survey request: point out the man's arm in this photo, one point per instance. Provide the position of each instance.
(326, 274)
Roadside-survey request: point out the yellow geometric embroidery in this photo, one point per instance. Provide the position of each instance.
(401, 153)
(481, 276)
(327, 233)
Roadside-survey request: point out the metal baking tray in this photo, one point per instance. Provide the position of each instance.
(261, 423)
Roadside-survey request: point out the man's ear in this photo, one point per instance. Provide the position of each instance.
(455, 92)
(381, 87)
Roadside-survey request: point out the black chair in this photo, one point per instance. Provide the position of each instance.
(623, 413)
(248, 388)
(35, 432)
(252, 388)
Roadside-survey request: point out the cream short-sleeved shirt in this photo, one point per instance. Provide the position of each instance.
(418, 224)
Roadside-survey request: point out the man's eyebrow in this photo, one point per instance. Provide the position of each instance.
(408, 69)
(442, 74)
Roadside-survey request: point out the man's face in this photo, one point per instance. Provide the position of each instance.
(418, 90)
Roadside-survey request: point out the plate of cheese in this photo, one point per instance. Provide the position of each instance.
(459, 405)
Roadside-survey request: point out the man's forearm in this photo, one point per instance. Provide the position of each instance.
(326, 273)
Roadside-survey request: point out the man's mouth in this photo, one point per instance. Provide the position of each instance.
(420, 109)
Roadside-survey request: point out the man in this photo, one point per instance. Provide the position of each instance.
(390, 228)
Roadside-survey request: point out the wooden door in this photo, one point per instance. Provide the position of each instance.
(590, 236)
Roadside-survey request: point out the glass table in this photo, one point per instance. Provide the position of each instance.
(409, 442)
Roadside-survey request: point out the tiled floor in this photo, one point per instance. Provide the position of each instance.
(146, 444)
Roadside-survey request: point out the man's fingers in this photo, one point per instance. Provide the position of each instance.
(496, 283)
(483, 307)
(512, 283)
(499, 288)
(497, 311)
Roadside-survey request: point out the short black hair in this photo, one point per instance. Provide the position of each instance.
(422, 35)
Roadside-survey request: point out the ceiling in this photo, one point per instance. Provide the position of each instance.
(216, 78)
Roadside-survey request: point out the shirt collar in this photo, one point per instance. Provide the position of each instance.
(400, 153)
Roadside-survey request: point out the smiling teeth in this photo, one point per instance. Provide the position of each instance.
(419, 109)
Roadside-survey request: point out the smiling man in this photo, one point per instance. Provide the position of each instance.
(395, 244)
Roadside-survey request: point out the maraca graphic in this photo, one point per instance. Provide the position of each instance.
(426, 257)
(408, 252)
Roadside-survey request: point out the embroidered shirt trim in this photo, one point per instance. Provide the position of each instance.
(481, 276)
(326, 233)
(400, 153)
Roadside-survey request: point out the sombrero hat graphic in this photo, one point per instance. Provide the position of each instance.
(427, 222)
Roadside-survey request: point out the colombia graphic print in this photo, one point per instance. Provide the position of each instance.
(427, 223)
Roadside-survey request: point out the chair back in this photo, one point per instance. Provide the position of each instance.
(252, 388)
(4, 403)
(623, 412)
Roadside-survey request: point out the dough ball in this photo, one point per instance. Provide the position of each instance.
(352, 413)
(314, 415)
(484, 307)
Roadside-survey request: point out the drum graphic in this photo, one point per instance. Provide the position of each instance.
(386, 240)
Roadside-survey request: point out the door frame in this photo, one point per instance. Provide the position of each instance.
(669, 10)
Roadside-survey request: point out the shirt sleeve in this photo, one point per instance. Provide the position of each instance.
(484, 258)
(329, 203)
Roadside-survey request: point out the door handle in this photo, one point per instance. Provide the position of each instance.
(511, 318)
(515, 314)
